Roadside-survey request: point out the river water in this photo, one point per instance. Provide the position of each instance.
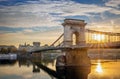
(36, 69)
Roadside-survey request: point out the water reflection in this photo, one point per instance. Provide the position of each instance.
(74, 72)
(71, 72)
(61, 72)
(38, 69)
(7, 62)
(99, 67)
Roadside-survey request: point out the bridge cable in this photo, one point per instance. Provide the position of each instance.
(57, 40)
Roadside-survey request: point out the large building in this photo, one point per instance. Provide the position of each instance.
(29, 48)
(36, 44)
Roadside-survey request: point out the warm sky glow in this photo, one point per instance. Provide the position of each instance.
(37, 20)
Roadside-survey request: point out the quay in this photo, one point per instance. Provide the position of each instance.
(8, 56)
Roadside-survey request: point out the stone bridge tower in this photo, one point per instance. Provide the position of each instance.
(74, 27)
(77, 54)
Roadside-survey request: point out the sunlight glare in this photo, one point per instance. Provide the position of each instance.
(98, 37)
(99, 68)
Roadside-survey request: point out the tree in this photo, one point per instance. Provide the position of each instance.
(4, 50)
(12, 50)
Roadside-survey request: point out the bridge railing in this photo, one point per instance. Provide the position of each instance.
(93, 36)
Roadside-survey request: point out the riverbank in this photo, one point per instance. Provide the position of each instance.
(9, 56)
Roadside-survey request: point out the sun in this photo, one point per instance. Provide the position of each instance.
(98, 37)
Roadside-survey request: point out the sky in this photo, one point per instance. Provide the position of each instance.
(40, 20)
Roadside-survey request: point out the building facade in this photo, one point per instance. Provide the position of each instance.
(28, 47)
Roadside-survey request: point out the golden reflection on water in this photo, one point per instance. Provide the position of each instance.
(105, 69)
(99, 67)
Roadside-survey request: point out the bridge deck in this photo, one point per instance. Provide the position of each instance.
(89, 46)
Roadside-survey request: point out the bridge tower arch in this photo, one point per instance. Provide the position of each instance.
(74, 27)
(77, 54)
(75, 38)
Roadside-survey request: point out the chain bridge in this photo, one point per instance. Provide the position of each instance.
(76, 36)
(76, 40)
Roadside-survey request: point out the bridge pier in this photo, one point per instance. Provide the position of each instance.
(77, 57)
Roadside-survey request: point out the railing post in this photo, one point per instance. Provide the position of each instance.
(109, 38)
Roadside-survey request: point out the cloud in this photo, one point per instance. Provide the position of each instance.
(115, 11)
(41, 13)
(42, 19)
(47, 37)
(115, 6)
(4, 29)
(28, 30)
(3, 0)
(107, 24)
(113, 3)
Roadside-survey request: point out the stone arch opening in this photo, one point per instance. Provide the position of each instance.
(75, 38)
